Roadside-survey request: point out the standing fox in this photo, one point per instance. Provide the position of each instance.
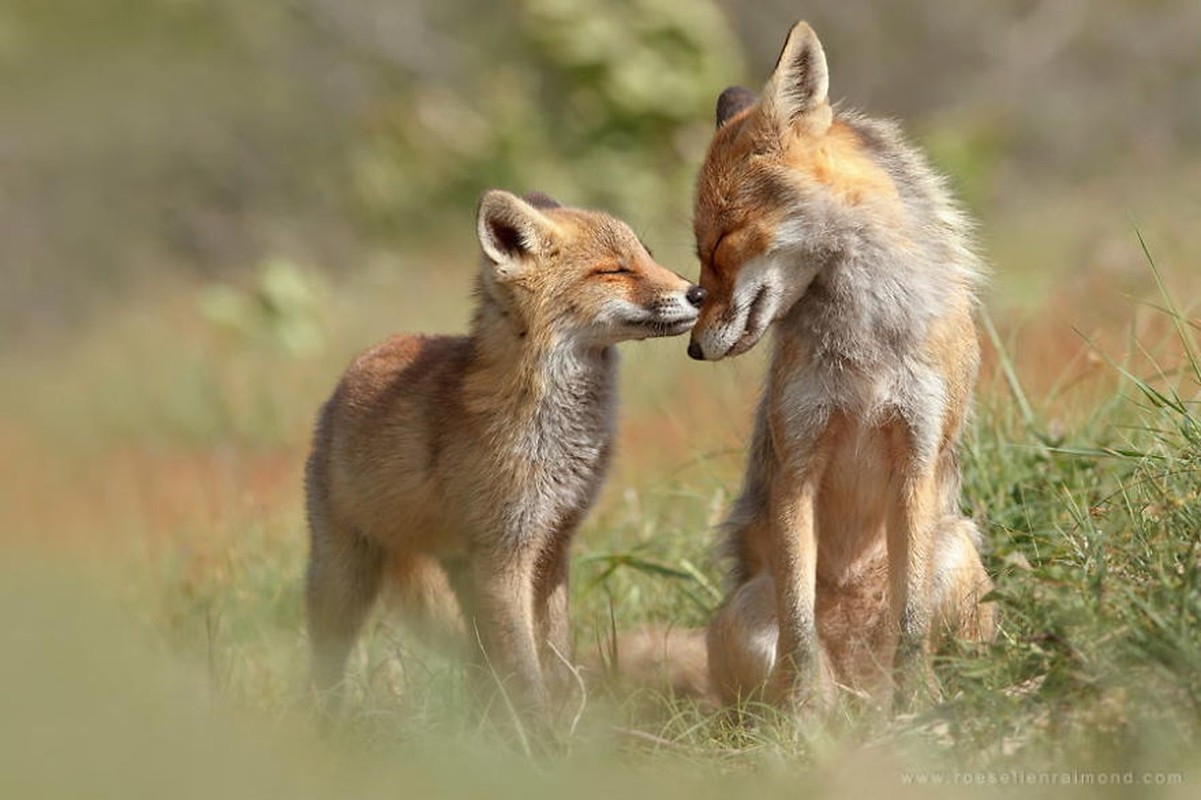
(849, 548)
(470, 461)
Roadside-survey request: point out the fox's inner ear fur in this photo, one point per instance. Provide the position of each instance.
(798, 88)
(511, 230)
(732, 101)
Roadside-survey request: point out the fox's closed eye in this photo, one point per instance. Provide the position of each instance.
(612, 269)
(717, 247)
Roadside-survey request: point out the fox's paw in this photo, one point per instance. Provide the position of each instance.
(807, 691)
(914, 684)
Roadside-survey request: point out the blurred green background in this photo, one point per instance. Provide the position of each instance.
(146, 139)
(208, 206)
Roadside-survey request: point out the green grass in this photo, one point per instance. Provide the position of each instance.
(176, 666)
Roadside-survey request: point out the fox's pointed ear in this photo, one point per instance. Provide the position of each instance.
(541, 200)
(511, 231)
(733, 101)
(796, 93)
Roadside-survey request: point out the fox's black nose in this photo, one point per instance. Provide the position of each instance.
(696, 295)
(694, 349)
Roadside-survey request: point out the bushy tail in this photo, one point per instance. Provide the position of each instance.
(421, 590)
(655, 657)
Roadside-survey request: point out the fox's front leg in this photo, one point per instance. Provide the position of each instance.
(552, 625)
(504, 624)
(797, 676)
(911, 532)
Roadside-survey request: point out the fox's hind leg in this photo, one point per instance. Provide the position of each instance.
(742, 640)
(960, 582)
(344, 576)
(743, 646)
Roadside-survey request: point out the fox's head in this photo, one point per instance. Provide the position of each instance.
(782, 183)
(571, 273)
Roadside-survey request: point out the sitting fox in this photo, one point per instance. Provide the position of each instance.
(470, 461)
(849, 550)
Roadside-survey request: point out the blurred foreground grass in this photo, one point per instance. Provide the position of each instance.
(154, 547)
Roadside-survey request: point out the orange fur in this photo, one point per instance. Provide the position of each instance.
(463, 465)
(849, 548)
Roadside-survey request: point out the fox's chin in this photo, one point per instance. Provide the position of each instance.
(745, 342)
(759, 317)
(655, 328)
(674, 327)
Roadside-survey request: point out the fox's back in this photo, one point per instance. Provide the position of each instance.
(382, 436)
(389, 385)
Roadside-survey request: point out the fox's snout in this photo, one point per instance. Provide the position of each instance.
(676, 310)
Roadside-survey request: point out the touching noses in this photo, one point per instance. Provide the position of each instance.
(696, 296)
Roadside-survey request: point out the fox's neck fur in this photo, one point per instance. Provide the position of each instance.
(884, 277)
(554, 391)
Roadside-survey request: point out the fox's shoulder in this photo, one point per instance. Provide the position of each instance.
(402, 350)
(403, 361)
